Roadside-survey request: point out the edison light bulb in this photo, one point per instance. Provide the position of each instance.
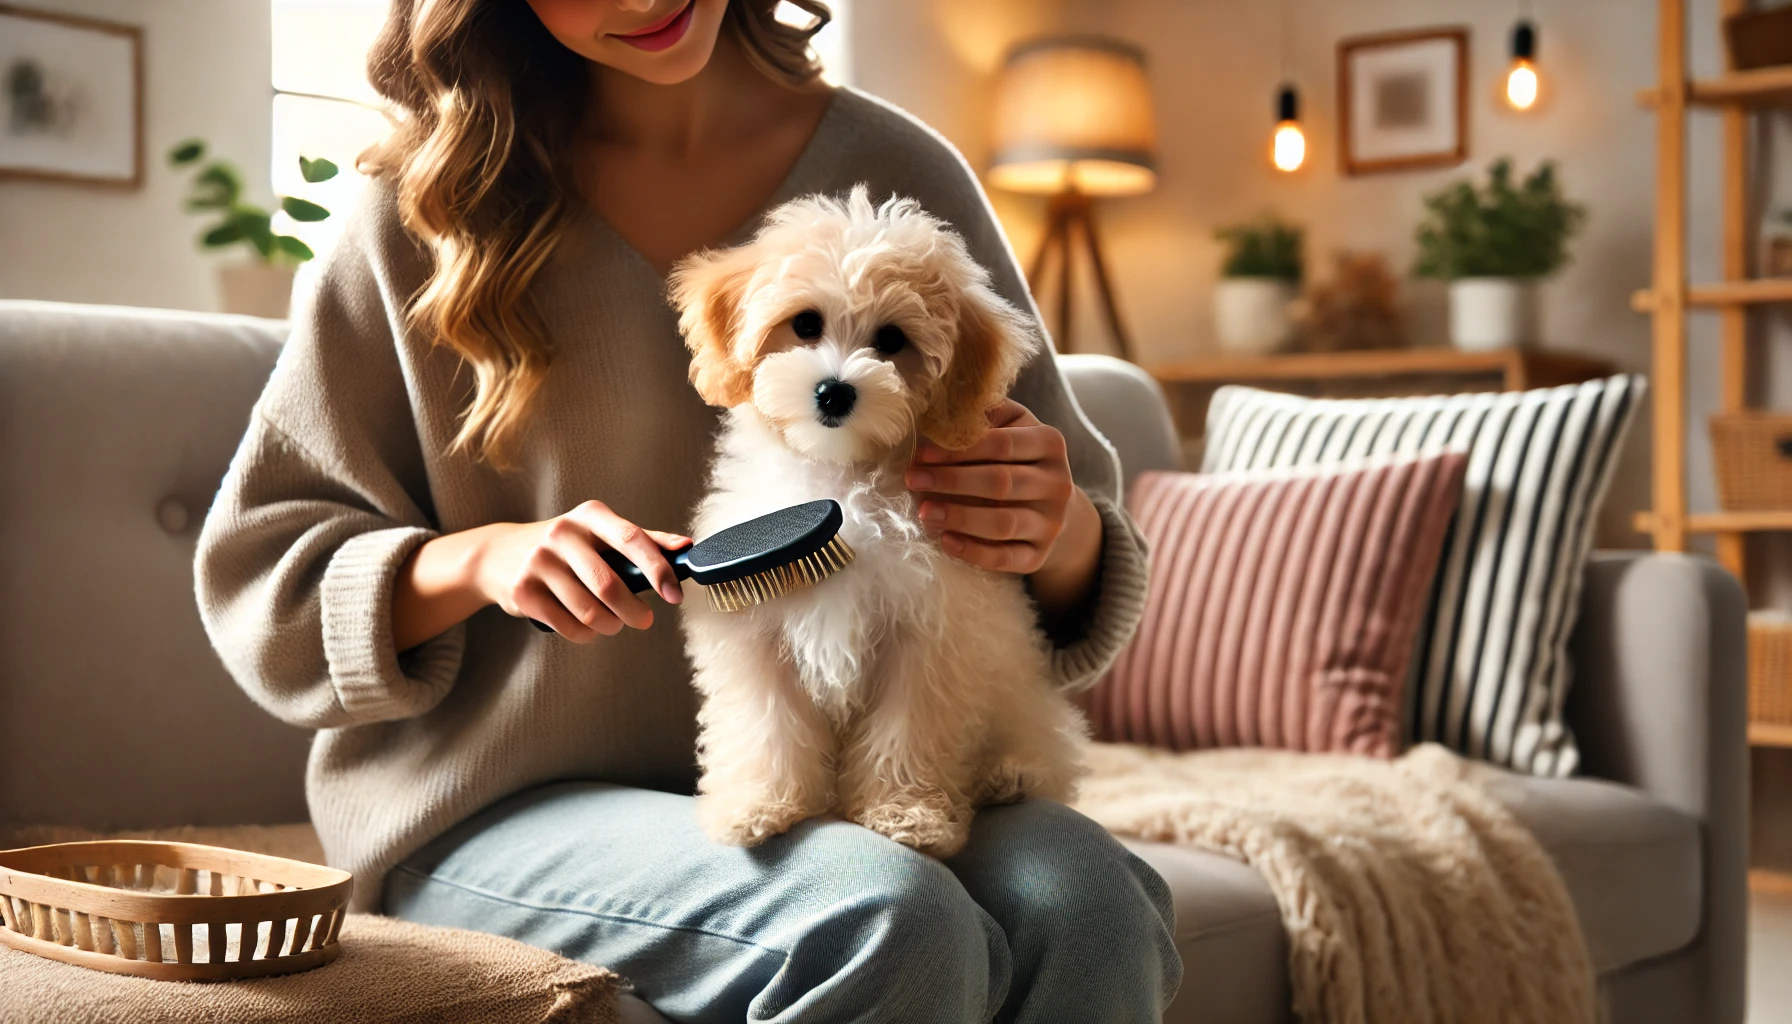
(1521, 85)
(1521, 81)
(1290, 146)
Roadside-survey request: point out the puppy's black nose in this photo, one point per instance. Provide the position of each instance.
(835, 398)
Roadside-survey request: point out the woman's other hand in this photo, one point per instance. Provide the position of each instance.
(1008, 504)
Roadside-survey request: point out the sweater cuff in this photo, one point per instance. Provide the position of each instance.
(370, 681)
(1119, 602)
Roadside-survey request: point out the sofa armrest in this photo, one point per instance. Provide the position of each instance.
(1659, 702)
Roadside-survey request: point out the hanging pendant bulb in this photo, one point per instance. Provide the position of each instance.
(1288, 148)
(1522, 84)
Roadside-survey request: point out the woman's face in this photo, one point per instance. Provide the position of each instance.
(658, 41)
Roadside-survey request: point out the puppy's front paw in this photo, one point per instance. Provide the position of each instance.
(733, 821)
(930, 827)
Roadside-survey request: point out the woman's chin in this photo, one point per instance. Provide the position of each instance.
(668, 67)
(677, 63)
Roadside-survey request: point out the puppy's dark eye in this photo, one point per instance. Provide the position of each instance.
(889, 340)
(806, 324)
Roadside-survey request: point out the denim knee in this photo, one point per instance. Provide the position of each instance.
(1085, 918)
(896, 939)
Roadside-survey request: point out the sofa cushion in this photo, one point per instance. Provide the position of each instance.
(1632, 867)
(1491, 673)
(1281, 608)
(115, 428)
(1229, 933)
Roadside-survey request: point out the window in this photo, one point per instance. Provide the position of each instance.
(830, 43)
(324, 106)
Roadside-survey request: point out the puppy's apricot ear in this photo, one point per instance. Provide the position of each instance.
(707, 289)
(994, 341)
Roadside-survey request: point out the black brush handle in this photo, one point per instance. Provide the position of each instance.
(632, 576)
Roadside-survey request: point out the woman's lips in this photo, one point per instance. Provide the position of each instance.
(662, 34)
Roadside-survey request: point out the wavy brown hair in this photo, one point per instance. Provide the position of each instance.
(487, 110)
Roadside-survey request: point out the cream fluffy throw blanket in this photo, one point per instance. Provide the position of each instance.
(1408, 893)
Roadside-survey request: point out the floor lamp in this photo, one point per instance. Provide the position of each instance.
(1073, 121)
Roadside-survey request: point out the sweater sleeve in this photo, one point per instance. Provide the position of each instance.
(926, 166)
(324, 500)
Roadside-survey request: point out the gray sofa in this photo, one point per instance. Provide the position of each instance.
(118, 424)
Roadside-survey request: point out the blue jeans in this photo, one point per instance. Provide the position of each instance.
(1043, 917)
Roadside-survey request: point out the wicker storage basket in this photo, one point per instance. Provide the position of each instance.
(1753, 452)
(171, 911)
(1770, 668)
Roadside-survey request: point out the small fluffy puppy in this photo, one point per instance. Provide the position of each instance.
(910, 688)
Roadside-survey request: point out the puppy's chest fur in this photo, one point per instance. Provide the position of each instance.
(900, 588)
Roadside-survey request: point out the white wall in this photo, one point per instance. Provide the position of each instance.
(207, 73)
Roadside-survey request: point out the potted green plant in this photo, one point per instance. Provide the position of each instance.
(262, 284)
(1258, 284)
(1493, 243)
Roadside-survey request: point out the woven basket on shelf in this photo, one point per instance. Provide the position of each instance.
(171, 911)
(1753, 455)
(1770, 669)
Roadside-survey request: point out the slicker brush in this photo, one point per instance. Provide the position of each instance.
(756, 561)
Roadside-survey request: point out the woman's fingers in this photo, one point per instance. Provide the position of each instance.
(638, 545)
(1019, 443)
(538, 599)
(990, 522)
(1014, 557)
(669, 541)
(608, 589)
(991, 482)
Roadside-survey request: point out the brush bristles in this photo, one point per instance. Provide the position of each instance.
(744, 593)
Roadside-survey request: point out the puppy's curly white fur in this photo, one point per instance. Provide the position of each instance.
(912, 688)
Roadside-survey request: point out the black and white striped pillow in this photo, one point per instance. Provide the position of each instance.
(1491, 671)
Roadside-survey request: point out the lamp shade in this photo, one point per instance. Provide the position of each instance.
(1074, 112)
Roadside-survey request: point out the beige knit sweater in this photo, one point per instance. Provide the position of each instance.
(346, 469)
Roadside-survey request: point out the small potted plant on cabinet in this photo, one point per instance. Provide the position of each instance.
(1258, 285)
(262, 284)
(1493, 243)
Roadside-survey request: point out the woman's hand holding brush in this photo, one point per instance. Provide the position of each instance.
(550, 571)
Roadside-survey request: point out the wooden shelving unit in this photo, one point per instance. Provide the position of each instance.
(1386, 373)
(1724, 522)
(1727, 293)
(1735, 95)
(1515, 369)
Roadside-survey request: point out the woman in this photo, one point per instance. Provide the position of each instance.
(486, 388)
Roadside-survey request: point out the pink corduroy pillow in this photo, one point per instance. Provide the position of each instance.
(1282, 608)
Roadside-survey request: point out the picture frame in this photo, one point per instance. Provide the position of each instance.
(71, 99)
(1403, 100)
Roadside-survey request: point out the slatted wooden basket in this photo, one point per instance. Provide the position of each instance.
(1752, 452)
(1770, 668)
(171, 911)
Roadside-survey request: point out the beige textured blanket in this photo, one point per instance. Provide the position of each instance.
(390, 972)
(1408, 893)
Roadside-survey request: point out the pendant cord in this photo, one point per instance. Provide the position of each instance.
(1282, 13)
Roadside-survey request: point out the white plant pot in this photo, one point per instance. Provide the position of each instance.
(256, 289)
(1488, 313)
(1251, 315)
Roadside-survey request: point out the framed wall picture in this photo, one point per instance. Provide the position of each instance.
(1403, 100)
(71, 98)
